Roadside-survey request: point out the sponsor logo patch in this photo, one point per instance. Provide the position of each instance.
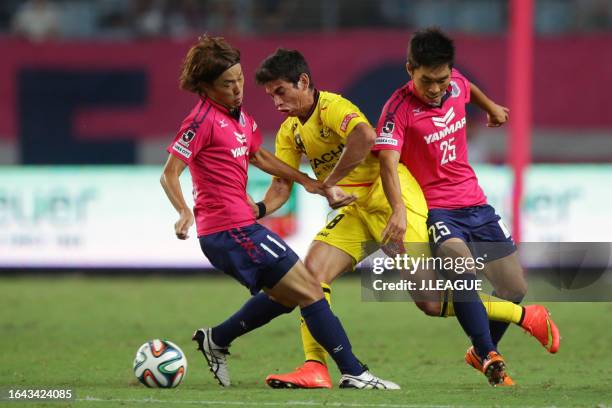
(382, 140)
(181, 150)
(434, 137)
(240, 137)
(222, 123)
(443, 121)
(347, 120)
(240, 151)
(331, 156)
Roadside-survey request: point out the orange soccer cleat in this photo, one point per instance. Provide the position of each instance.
(473, 359)
(538, 323)
(311, 374)
(494, 368)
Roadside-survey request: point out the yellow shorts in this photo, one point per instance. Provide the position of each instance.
(357, 228)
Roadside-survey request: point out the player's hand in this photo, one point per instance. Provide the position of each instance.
(497, 116)
(253, 206)
(396, 227)
(181, 227)
(314, 187)
(336, 197)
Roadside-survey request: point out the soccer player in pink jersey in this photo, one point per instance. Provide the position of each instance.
(217, 141)
(423, 125)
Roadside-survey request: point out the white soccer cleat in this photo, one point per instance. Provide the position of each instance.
(366, 381)
(216, 357)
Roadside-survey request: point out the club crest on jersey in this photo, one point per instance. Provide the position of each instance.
(325, 132)
(455, 90)
(240, 137)
(187, 137)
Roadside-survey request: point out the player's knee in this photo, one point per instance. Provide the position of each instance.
(429, 308)
(315, 268)
(311, 287)
(514, 293)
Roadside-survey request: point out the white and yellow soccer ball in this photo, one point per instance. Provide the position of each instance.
(160, 364)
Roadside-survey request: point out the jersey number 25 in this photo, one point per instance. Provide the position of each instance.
(448, 150)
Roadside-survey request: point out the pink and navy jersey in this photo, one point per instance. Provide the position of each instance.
(432, 143)
(216, 145)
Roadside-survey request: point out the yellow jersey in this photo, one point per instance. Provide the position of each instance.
(322, 139)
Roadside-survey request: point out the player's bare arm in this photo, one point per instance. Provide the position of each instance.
(277, 195)
(172, 187)
(497, 115)
(396, 226)
(268, 162)
(358, 145)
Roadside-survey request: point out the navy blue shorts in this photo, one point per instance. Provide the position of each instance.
(479, 226)
(253, 255)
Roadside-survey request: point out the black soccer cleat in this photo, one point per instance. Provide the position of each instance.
(216, 357)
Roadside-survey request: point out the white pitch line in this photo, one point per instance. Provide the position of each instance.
(280, 403)
(288, 403)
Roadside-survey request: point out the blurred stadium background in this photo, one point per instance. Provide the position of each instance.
(89, 100)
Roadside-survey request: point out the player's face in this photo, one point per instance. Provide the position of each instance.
(431, 83)
(289, 98)
(227, 88)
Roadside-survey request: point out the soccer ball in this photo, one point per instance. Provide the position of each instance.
(160, 364)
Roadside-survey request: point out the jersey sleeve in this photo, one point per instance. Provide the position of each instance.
(189, 140)
(286, 149)
(256, 140)
(463, 83)
(341, 116)
(392, 126)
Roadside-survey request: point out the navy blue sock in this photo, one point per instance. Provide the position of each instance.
(256, 312)
(472, 315)
(328, 332)
(498, 329)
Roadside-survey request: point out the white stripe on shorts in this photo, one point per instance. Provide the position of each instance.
(281, 246)
(264, 246)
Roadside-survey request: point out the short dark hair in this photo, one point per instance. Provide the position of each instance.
(284, 64)
(206, 61)
(430, 47)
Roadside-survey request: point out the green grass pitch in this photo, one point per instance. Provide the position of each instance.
(82, 334)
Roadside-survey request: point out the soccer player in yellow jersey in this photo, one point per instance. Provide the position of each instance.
(336, 138)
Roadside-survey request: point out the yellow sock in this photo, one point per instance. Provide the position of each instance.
(312, 349)
(497, 309)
